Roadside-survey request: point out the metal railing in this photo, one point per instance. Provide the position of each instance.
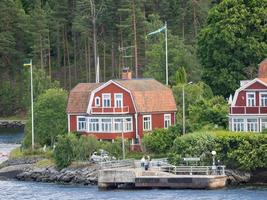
(105, 110)
(194, 170)
(117, 164)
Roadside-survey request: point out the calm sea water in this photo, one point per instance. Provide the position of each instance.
(16, 190)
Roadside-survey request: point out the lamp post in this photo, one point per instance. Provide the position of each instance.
(184, 105)
(122, 137)
(213, 153)
(30, 65)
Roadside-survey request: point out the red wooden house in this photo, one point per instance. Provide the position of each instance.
(128, 106)
(248, 107)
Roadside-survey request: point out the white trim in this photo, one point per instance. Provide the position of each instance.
(103, 86)
(136, 125)
(68, 123)
(100, 123)
(150, 128)
(77, 125)
(115, 106)
(103, 105)
(254, 99)
(169, 115)
(244, 87)
(97, 98)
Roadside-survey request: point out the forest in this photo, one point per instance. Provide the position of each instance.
(218, 42)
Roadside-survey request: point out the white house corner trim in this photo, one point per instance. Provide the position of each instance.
(68, 123)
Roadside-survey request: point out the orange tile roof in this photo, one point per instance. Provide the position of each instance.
(149, 95)
(79, 97)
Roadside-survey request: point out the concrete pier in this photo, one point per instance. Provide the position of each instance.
(137, 178)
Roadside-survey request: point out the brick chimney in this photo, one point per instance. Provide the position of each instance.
(126, 73)
(263, 69)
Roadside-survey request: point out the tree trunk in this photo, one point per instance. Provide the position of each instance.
(41, 52)
(89, 59)
(86, 60)
(64, 59)
(135, 40)
(49, 57)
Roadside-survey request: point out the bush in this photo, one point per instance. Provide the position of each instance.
(160, 140)
(86, 146)
(115, 148)
(64, 152)
(245, 151)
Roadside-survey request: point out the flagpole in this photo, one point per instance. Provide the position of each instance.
(32, 107)
(166, 48)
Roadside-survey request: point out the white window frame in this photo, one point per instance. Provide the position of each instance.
(147, 125)
(104, 98)
(97, 99)
(83, 124)
(250, 99)
(261, 102)
(116, 98)
(238, 124)
(253, 126)
(167, 120)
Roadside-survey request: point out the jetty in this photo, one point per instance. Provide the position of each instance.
(161, 175)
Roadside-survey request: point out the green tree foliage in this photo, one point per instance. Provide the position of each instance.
(49, 117)
(232, 42)
(160, 141)
(235, 150)
(86, 146)
(180, 76)
(211, 111)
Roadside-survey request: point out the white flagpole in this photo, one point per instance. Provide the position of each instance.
(166, 48)
(32, 107)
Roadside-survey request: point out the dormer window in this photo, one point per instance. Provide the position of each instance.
(251, 99)
(118, 100)
(106, 100)
(97, 101)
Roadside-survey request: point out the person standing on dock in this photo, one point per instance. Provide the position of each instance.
(143, 160)
(146, 162)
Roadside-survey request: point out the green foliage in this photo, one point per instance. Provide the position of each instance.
(65, 151)
(209, 112)
(245, 151)
(180, 76)
(160, 140)
(115, 148)
(86, 146)
(232, 43)
(49, 118)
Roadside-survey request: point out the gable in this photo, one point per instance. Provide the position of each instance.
(256, 85)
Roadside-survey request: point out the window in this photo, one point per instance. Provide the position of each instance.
(251, 99)
(238, 125)
(252, 125)
(167, 120)
(82, 124)
(263, 124)
(263, 99)
(97, 101)
(147, 122)
(106, 125)
(118, 124)
(118, 100)
(93, 124)
(106, 100)
(128, 124)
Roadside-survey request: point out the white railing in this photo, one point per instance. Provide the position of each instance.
(194, 170)
(112, 110)
(117, 164)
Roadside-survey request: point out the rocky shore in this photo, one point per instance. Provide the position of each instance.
(25, 169)
(11, 124)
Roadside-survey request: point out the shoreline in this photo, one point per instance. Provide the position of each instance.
(25, 169)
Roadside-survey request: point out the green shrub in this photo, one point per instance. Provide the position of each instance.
(65, 150)
(115, 148)
(245, 151)
(160, 140)
(86, 146)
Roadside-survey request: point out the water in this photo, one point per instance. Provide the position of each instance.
(13, 190)
(47, 191)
